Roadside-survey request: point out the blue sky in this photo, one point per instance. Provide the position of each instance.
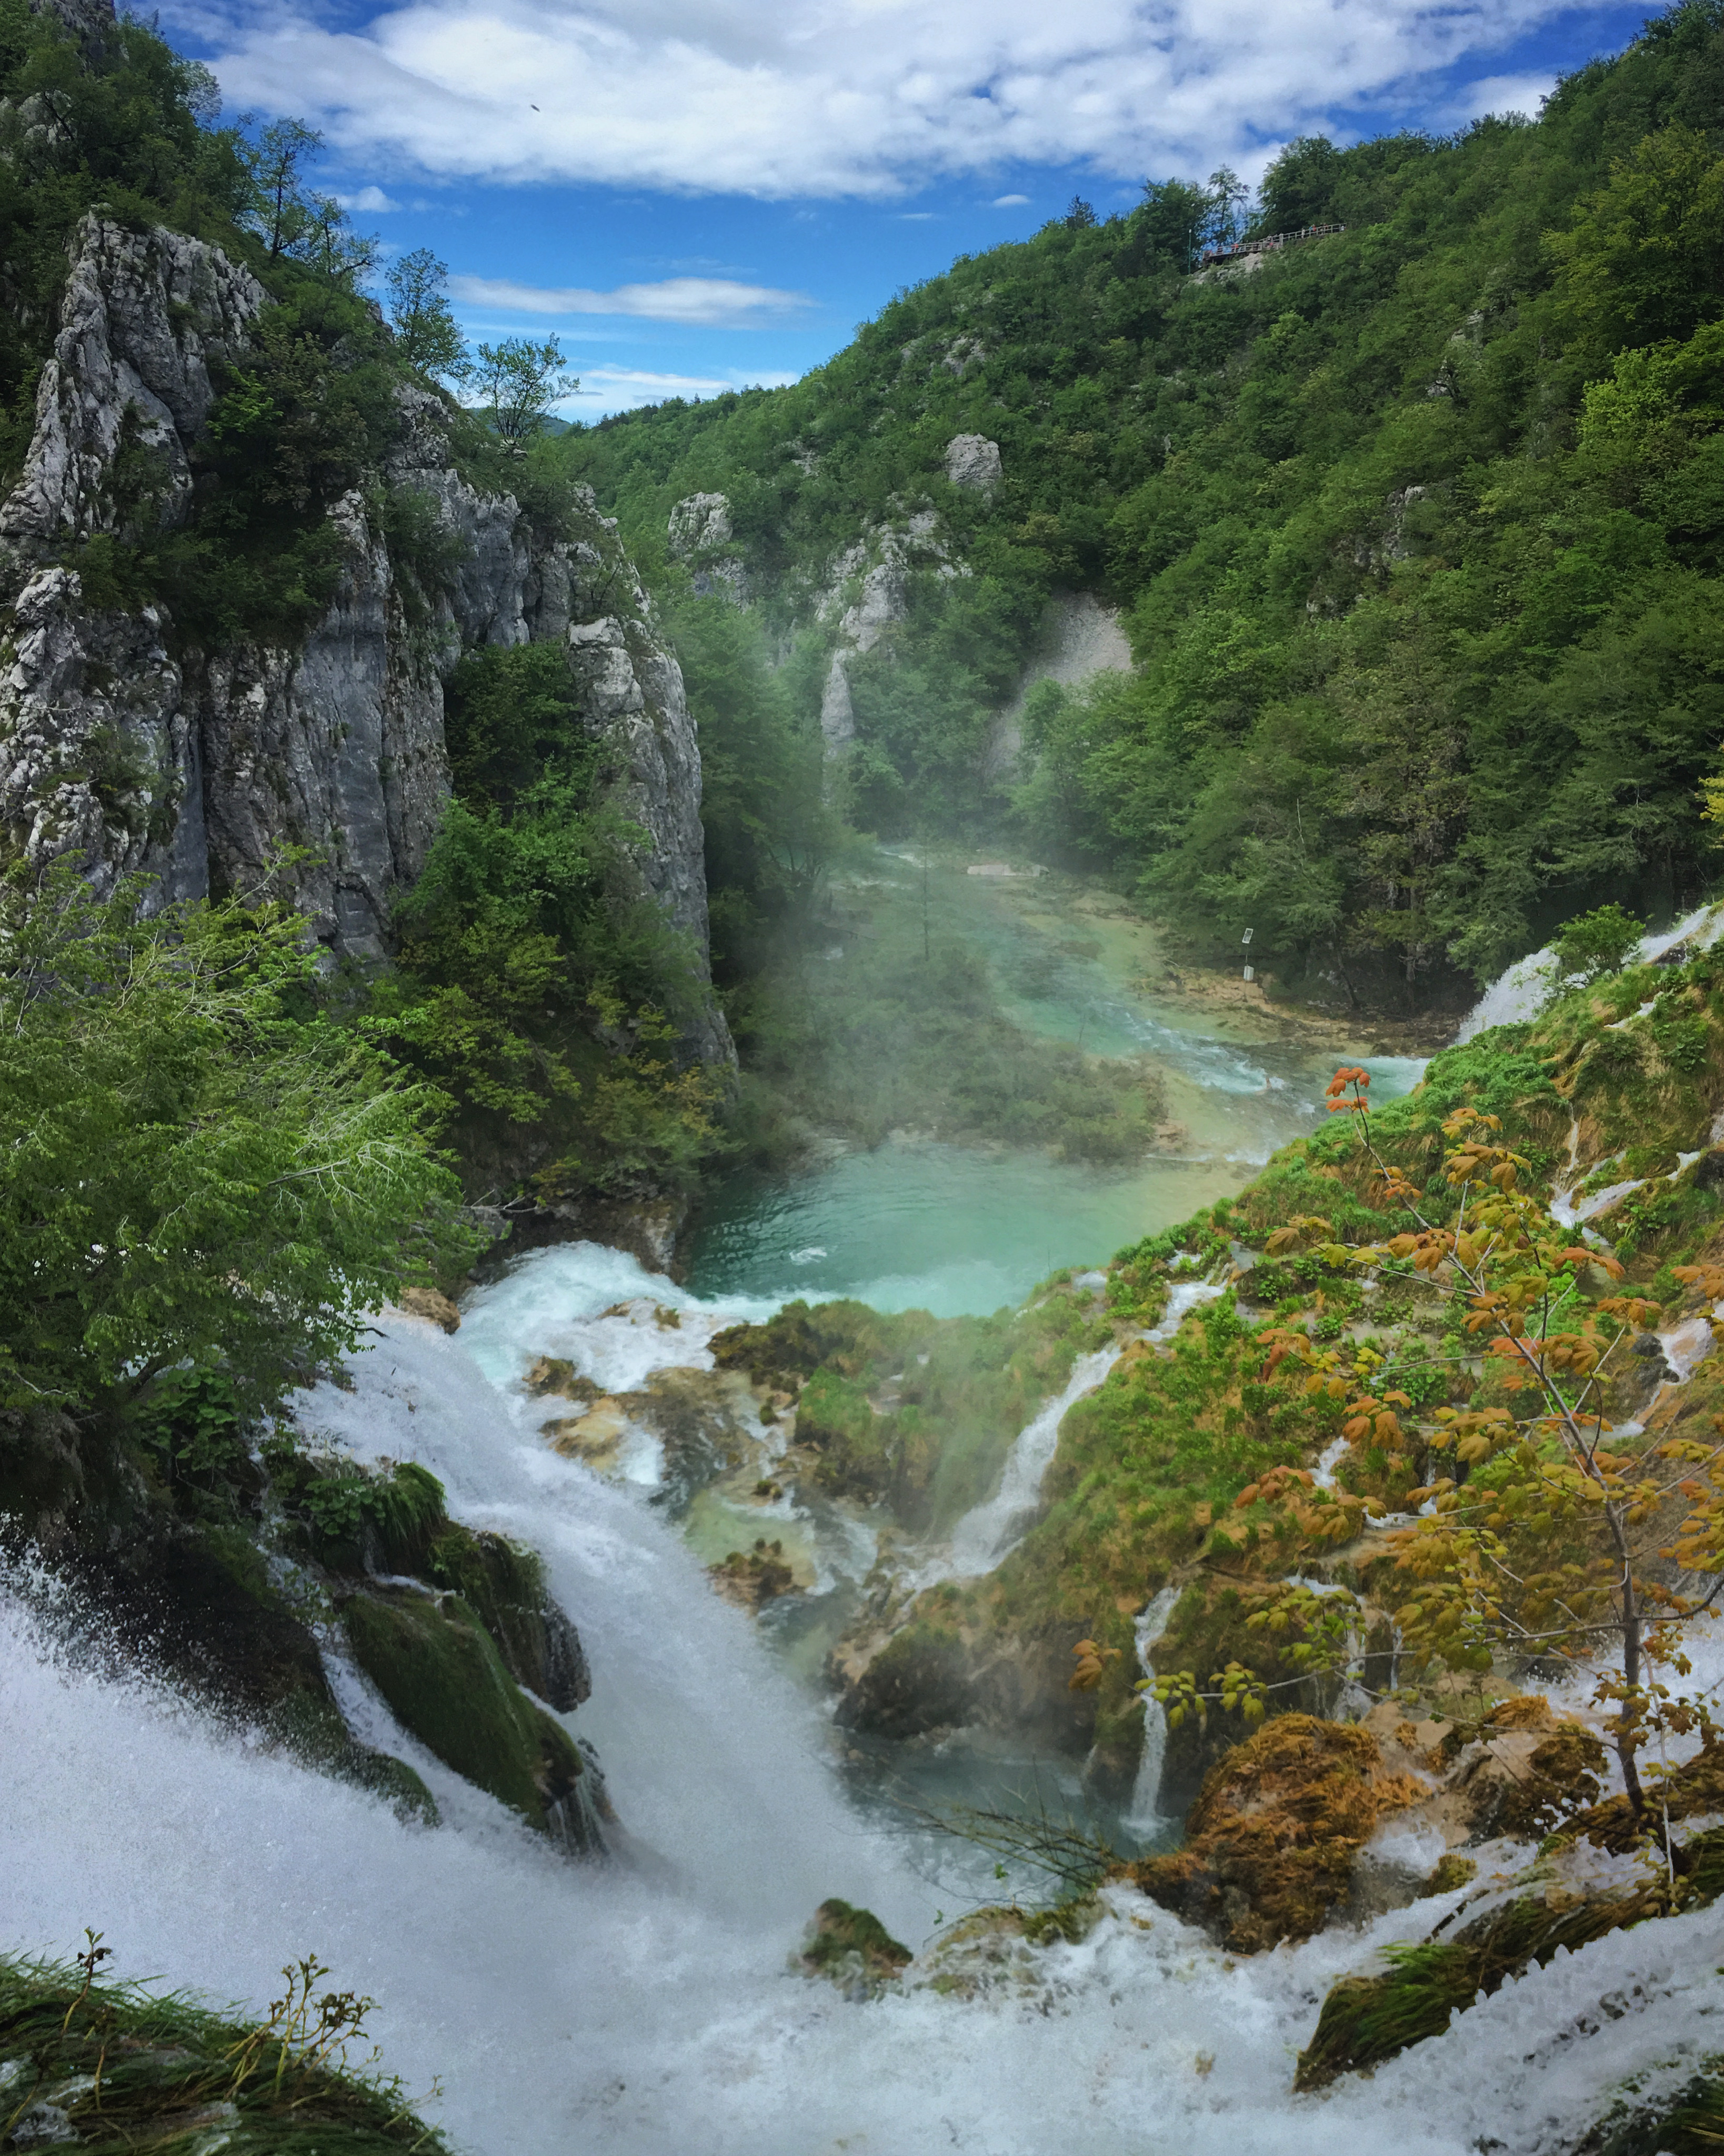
(697, 193)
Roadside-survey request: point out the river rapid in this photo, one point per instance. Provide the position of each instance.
(648, 2004)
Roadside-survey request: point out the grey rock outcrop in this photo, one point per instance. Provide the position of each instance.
(973, 462)
(126, 747)
(699, 528)
(700, 520)
(89, 19)
(874, 576)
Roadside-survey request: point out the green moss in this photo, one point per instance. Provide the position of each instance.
(1689, 2123)
(120, 2068)
(309, 1724)
(851, 1947)
(1365, 2019)
(444, 1680)
(1071, 1920)
(503, 1584)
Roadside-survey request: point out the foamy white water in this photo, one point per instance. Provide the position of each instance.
(646, 2009)
(1522, 990)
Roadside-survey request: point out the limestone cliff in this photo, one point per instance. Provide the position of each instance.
(127, 747)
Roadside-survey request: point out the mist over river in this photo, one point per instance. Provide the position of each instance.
(916, 1223)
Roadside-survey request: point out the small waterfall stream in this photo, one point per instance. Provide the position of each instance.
(1144, 1813)
(990, 1531)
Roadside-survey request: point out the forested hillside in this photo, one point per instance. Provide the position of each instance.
(1417, 526)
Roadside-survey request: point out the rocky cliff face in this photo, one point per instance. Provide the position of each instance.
(125, 749)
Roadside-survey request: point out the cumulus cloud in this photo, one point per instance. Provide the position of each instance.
(1502, 93)
(369, 200)
(834, 97)
(621, 389)
(710, 302)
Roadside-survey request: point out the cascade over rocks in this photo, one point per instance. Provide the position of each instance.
(127, 747)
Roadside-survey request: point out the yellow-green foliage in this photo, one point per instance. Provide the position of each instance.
(1146, 1466)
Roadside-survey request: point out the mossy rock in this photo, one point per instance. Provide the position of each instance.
(920, 1681)
(115, 2068)
(846, 1337)
(439, 1670)
(1689, 2123)
(750, 1579)
(1365, 2019)
(1274, 1835)
(311, 1727)
(505, 1584)
(851, 1947)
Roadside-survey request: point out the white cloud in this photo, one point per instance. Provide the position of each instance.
(621, 388)
(836, 97)
(369, 201)
(1501, 93)
(1010, 201)
(710, 302)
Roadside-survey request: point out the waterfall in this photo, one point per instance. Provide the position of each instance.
(1523, 989)
(644, 2005)
(986, 1533)
(1143, 1814)
(989, 1533)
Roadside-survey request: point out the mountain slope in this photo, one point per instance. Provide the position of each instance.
(1427, 627)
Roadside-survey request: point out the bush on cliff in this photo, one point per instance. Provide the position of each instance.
(194, 1168)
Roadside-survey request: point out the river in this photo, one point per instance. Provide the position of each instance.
(648, 2005)
(915, 1225)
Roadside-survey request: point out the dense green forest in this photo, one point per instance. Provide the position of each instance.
(1417, 528)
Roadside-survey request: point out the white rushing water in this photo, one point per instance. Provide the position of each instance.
(1144, 1814)
(1521, 992)
(646, 2007)
(989, 1533)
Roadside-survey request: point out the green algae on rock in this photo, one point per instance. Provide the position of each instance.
(445, 1682)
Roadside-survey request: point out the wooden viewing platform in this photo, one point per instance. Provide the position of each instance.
(1268, 245)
